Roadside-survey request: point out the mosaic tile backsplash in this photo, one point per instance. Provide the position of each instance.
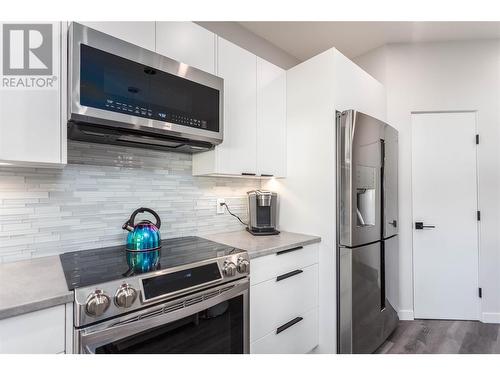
(83, 205)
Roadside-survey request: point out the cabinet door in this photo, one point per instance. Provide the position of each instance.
(299, 338)
(39, 332)
(271, 119)
(141, 34)
(187, 42)
(32, 84)
(238, 67)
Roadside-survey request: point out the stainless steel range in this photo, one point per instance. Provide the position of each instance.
(195, 302)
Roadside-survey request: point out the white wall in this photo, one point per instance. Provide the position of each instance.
(315, 90)
(246, 39)
(436, 77)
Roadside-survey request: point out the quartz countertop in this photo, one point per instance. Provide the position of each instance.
(31, 285)
(258, 246)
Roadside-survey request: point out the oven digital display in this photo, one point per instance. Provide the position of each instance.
(176, 281)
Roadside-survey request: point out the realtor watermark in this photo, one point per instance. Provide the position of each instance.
(27, 60)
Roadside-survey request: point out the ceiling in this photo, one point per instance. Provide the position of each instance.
(303, 40)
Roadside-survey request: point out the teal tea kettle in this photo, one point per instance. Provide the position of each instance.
(143, 242)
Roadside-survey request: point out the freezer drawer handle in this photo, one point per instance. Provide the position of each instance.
(420, 225)
(288, 274)
(289, 324)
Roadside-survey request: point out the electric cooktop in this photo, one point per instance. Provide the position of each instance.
(90, 267)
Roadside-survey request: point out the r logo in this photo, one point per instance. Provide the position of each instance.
(27, 49)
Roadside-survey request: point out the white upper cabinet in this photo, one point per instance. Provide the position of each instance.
(254, 117)
(187, 42)
(141, 34)
(271, 119)
(238, 68)
(33, 95)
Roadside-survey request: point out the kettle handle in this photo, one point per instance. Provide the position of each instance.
(129, 224)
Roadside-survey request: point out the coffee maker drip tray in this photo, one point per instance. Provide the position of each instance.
(263, 231)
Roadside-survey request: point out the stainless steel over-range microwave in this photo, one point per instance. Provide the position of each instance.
(123, 94)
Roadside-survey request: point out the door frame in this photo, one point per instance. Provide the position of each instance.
(478, 223)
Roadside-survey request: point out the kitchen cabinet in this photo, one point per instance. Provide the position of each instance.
(284, 295)
(271, 119)
(300, 338)
(254, 117)
(187, 42)
(142, 34)
(33, 97)
(237, 154)
(39, 332)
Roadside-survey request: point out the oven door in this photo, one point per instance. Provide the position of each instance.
(214, 321)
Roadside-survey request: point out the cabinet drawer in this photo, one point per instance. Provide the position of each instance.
(41, 331)
(270, 266)
(273, 303)
(299, 338)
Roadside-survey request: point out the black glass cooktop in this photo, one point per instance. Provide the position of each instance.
(89, 267)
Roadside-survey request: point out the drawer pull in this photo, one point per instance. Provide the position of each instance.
(289, 324)
(247, 174)
(289, 250)
(288, 274)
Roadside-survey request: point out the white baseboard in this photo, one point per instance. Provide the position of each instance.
(406, 315)
(490, 317)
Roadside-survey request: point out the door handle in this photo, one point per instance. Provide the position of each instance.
(420, 225)
(394, 223)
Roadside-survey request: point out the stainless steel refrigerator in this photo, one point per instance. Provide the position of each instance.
(367, 229)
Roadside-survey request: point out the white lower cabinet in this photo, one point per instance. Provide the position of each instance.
(300, 338)
(38, 332)
(284, 302)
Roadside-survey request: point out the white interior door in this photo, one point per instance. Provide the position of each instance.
(444, 179)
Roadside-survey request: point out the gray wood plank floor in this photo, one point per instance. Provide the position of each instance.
(443, 337)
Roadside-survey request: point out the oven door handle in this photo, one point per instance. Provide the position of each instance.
(91, 340)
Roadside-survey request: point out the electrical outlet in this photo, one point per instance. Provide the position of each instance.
(220, 208)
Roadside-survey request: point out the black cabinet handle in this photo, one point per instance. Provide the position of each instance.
(247, 174)
(289, 324)
(288, 274)
(289, 250)
(266, 175)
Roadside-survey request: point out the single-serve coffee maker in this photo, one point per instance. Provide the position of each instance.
(262, 212)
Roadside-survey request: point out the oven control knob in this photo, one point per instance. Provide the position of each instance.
(243, 265)
(125, 296)
(97, 303)
(229, 268)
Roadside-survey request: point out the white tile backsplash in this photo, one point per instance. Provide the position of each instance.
(83, 206)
